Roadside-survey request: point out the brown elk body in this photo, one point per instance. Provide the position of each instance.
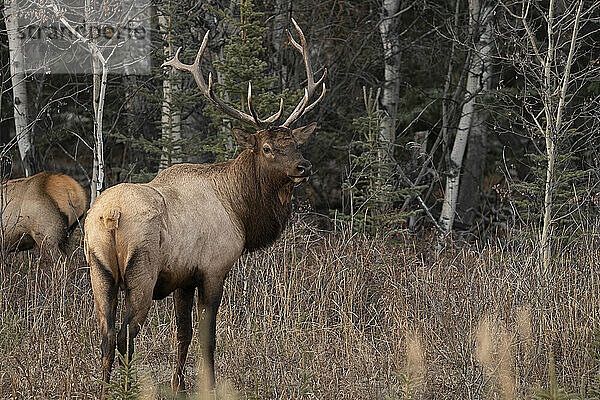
(41, 209)
(187, 227)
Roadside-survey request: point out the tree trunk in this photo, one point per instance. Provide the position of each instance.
(226, 125)
(170, 122)
(99, 94)
(469, 195)
(475, 84)
(170, 116)
(552, 130)
(99, 81)
(449, 104)
(99, 77)
(391, 84)
(20, 104)
(279, 22)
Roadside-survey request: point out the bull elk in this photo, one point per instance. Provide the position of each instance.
(41, 209)
(187, 227)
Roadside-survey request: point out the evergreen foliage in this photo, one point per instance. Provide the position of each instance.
(371, 186)
(176, 28)
(126, 384)
(554, 392)
(570, 184)
(242, 63)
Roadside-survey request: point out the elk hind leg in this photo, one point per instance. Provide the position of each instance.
(105, 298)
(184, 301)
(139, 285)
(50, 234)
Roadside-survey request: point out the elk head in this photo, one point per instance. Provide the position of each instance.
(275, 147)
(277, 150)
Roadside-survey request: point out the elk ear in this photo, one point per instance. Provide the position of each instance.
(243, 138)
(301, 134)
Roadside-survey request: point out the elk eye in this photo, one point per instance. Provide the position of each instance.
(267, 149)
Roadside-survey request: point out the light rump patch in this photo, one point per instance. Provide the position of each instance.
(42, 209)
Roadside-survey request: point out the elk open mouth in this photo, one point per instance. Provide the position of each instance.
(299, 178)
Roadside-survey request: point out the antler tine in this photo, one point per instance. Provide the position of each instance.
(210, 83)
(173, 61)
(298, 111)
(275, 116)
(307, 109)
(250, 106)
(196, 72)
(293, 41)
(268, 120)
(303, 49)
(198, 58)
(311, 85)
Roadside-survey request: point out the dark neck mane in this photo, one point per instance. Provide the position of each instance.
(260, 201)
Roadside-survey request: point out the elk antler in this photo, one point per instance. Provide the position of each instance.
(311, 85)
(196, 72)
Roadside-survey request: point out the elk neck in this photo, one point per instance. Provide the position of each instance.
(259, 198)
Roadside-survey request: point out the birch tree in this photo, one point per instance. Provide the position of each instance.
(19, 89)
(170, 115)
(100, 67)
(545, 66)
(391, 83)
(480, 27)
(99, 79)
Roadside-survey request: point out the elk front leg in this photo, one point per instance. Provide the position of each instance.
(209, 299)
(184, 301)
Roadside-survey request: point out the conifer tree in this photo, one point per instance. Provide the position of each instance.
(243, 62)
(369, 187)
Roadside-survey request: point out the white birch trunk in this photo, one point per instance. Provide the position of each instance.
(100, 77)
(391, 84)
(551, 131)
(99, 94)
(170, 121)
(170, 117)
(20, 104)
(98, 89)
(475, 84)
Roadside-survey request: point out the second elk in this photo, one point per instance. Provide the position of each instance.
(185, 229)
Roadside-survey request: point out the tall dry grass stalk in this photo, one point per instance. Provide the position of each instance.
(493, 352)
(328, 315)
(415, 364)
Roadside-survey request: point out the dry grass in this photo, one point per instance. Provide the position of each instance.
(331, 316)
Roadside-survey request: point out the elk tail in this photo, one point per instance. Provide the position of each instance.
(111, 219)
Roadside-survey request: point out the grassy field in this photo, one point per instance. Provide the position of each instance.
(330, 315)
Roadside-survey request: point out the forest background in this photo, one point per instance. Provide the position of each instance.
(470, 116)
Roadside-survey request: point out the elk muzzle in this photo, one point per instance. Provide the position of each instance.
(303, 171)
